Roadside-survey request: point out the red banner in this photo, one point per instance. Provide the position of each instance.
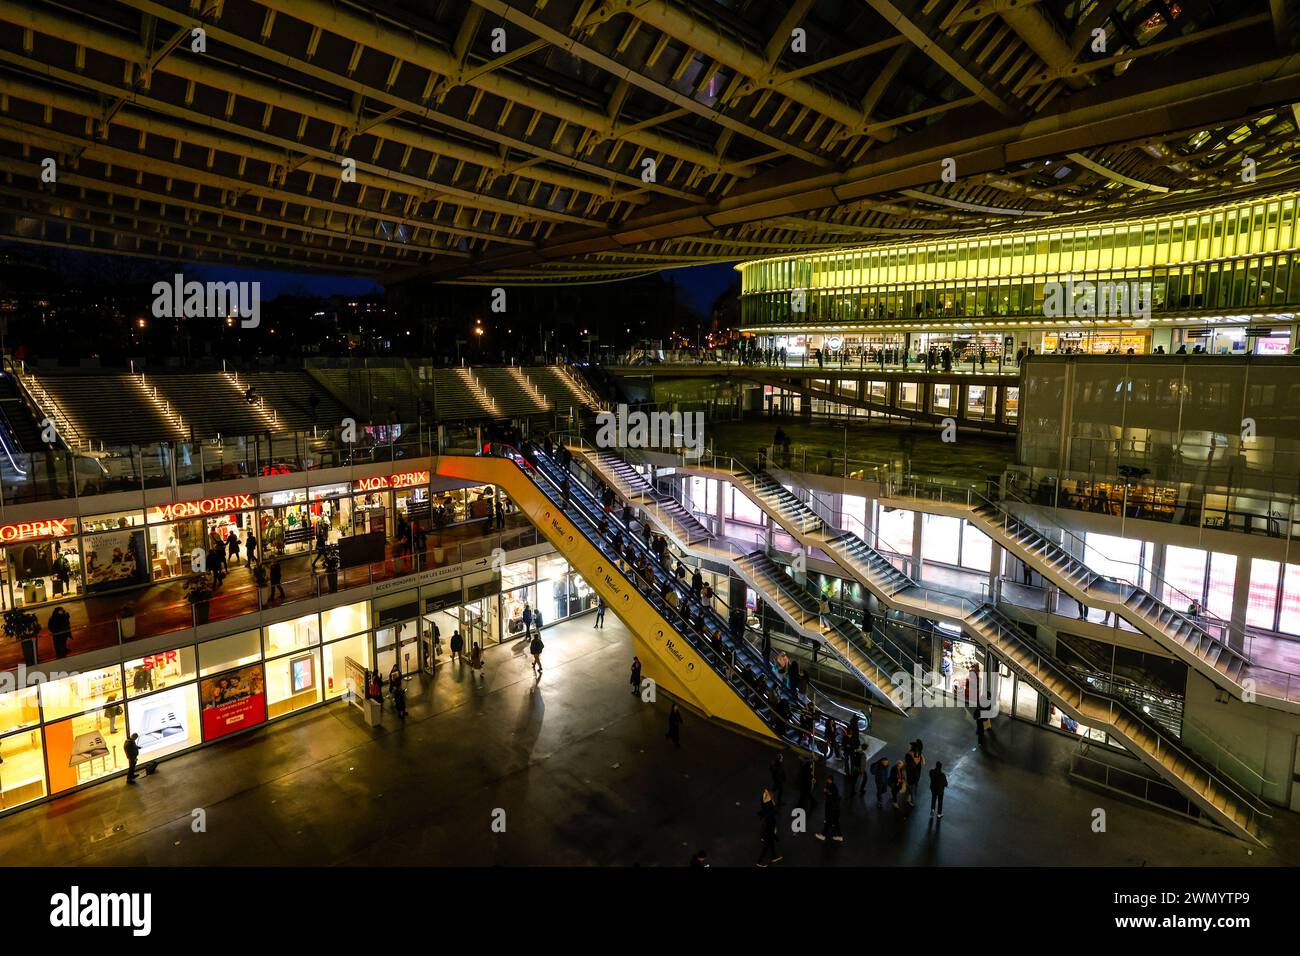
(233, 701)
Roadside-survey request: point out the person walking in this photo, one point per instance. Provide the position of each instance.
(635, 679)
(897, 781)
(880, 771)
(476, 659)
(913, 762)
(853, 757)
(399, 699)
(979, 726)
(232, 545)
(767, 831)
(276, 576)
(537, 621)
(501, 515)
(675, 726)
(600, 611)
(807, 780)
(528, 618)
(535, 648)
(132, 750)
(250, 546)
(938, 783)
(112, 710)
(831, 813)
(457, 645)
(777, 770)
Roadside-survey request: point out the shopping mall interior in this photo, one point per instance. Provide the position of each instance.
(872, 385)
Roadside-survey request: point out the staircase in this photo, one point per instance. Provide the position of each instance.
(635, 487)
(45, 406)
(477, 392)
(1223, 801)
(1172, 630)
(840, 636)
(773, 497)
(1220, 799)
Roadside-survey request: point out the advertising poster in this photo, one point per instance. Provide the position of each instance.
(233, 701)
(115, 559)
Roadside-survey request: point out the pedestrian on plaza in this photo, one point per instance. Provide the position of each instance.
(399, 700)
(979, 726)
(600, 611)
(537, 621)
(831, 813)
(457, 645)
(853, 757)
(276, 574)
(675, 726)
(913, 762)
(528, 618)
(132, 750)
(777, 770)
(501, 514)
(476, 659)
(767, 831)
(394, 679)
(897, 781)
(535, 648)
(938, 783)
(635, 679)
(880, 771)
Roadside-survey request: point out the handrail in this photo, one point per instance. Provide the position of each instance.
(972, 497)
(671, 616)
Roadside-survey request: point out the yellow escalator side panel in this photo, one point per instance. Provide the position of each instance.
(665, 656)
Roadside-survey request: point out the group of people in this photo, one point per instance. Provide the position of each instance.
(901, 779)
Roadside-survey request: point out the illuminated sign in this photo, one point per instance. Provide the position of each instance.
(50, 528)
(197, 509)
(407, 479)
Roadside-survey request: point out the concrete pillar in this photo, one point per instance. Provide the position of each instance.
(917, 563)
(1156, 568)
(1240, 594)
(995, 569)
(719, 502)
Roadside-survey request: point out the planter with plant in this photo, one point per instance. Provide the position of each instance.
(24, 627)
(199, 594)
(332, 560)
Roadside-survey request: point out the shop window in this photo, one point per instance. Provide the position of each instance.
(1062, 721)
(19, 708)
(292, 683)
(112, 522)
(896, 526)
(233, 701)
(517, 574)
(226, 653)
(1261, 606)
(164, 669)
(741, 508)
(1184, 576)
(292, 635)
(346, 660)
(115, 559)
(1026, 701)
(22, 768)
(1288, 618)
(86, 748)
(38, 571)
(89, 691)
(346, 620)
(941, 539)
(167, 721)
(976, 548)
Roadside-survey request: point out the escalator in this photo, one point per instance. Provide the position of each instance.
(700, 666)
(859, 653)
(1222, 800)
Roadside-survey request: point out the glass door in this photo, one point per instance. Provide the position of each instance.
(408, 647)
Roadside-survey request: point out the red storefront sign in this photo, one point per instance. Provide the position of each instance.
(197, 509)
(49, 528)
(406, 479)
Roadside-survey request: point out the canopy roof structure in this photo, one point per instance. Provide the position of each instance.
(529, 141)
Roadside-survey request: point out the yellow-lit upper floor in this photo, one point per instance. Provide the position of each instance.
(1246, 227)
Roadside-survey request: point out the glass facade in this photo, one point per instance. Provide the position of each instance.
(1233, 256)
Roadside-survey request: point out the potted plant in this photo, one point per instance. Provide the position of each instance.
(24, 627)
(126, 621)
(199, 594)
(332, 560)
(439, 518)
